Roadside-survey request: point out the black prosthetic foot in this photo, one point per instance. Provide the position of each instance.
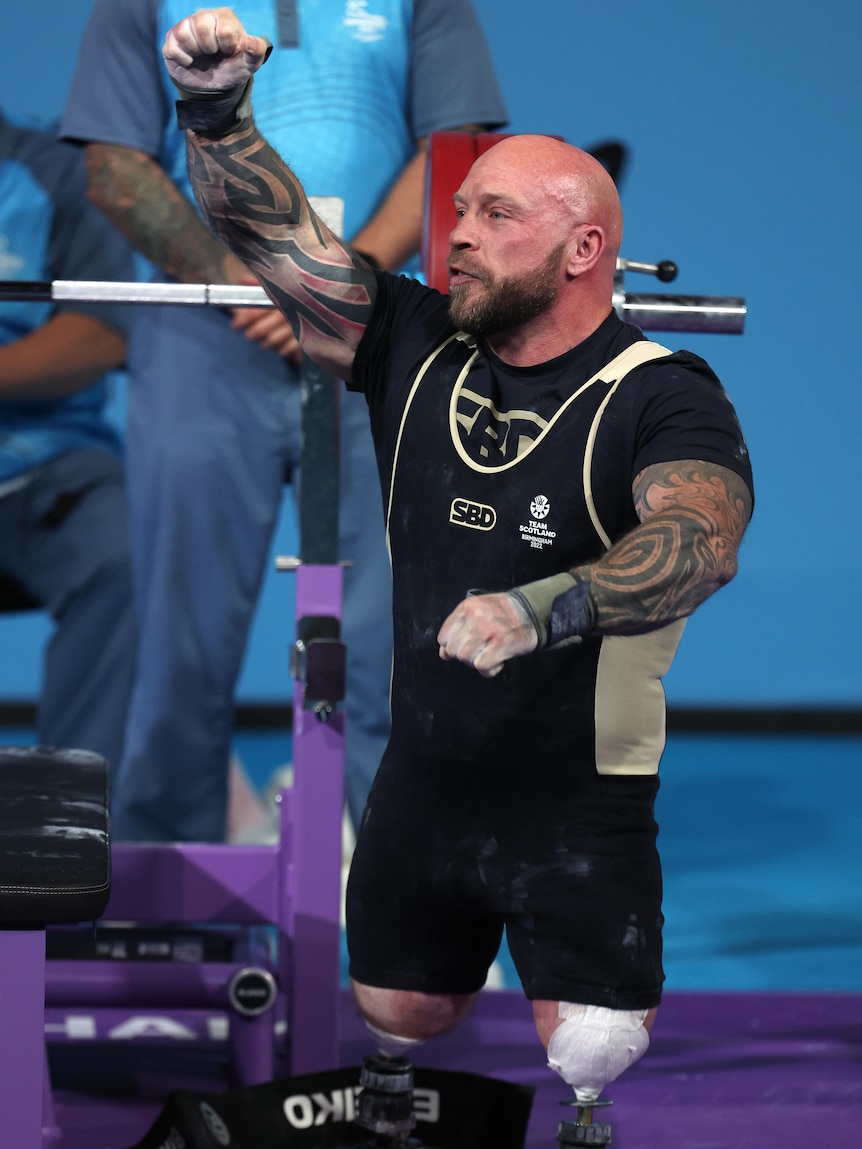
(385, 1105)
(583, 1130)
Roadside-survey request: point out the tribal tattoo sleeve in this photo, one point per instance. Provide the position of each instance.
(255, 204)
(693, 516)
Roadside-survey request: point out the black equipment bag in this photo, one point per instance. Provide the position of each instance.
(453, 1111)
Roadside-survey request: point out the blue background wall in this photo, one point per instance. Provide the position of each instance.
(742, 122)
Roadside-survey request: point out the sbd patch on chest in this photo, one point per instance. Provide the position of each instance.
(479, 516)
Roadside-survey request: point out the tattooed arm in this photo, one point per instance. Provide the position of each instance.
(142, 201)
(144, 204)
(257, 206)
(692, 519)
(252, 200)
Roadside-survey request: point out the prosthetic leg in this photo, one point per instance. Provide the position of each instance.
(591, 1048)
(385, 1105)
(584, 1130)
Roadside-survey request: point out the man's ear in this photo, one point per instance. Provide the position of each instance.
(585, 249)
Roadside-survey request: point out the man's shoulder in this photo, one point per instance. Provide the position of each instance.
(682, 368)
(409, 300)
(410, 319)
(682, 382)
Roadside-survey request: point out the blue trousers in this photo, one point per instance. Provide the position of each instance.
(64, 540)
(214, 434)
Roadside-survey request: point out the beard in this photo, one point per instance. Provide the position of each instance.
(507, 302)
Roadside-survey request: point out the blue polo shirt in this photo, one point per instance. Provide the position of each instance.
(49, 231)
(349, 88)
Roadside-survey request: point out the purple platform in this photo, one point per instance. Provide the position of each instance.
(724, 1071)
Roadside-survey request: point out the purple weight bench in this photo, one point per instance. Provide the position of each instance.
(55, 868)
(277, 1006)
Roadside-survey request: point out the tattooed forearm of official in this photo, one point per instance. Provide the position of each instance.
(693, 516)
(255, 204)
(143, 203)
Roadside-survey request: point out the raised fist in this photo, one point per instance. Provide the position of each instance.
(210, 51)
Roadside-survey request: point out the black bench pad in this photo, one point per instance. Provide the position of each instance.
(55, 859)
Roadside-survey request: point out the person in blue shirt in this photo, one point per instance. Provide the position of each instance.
(354, 89)
(63, 515)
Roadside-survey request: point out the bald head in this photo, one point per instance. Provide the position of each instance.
(560, 174)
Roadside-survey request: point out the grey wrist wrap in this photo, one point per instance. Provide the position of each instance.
(559, 607)
(214, 113)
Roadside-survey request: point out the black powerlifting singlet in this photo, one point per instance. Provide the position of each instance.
(458, 522)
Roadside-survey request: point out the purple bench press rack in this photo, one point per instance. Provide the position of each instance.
(276, 1002)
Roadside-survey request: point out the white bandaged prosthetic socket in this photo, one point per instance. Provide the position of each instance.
(391, 1044)
(594, 1045)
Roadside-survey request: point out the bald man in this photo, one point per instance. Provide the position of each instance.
(560, 495)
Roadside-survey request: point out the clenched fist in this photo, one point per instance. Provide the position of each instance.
(485, 631)
(210, 51)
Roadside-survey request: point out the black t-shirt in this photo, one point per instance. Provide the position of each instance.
(494, 476)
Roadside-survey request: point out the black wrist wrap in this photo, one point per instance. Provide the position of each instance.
(573, 614)
(559, 607)
(214, 114)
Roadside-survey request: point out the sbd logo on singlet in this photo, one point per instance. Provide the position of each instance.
(476, 515)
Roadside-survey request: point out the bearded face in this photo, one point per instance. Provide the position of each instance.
(492, 304)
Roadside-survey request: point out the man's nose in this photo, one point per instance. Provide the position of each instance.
(461, 235)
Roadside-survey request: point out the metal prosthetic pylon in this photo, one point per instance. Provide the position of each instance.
(583, 1130)
(385, 1104)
